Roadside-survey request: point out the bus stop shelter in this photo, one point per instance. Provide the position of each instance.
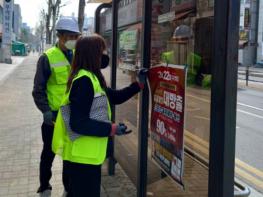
(216, 168)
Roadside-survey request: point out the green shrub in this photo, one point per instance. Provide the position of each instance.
(206, 83)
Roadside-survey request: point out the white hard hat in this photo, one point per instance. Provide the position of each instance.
(67, 24)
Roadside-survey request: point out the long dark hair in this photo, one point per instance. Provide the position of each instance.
(88, 53)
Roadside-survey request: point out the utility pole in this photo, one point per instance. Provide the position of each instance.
(82, 4)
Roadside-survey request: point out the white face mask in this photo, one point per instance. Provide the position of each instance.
(70, 44)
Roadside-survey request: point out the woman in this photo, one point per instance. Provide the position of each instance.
(89, 99)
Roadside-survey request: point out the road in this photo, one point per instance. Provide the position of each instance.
(249, 136)
(249, 131)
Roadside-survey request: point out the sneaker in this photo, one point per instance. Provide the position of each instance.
(65, 194)
(45, 193)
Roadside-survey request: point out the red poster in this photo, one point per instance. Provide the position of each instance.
(167, 118)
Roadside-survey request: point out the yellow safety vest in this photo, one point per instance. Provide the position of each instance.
(57, 82)
(85, 149)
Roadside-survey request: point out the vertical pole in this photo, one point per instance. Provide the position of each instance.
(144, 102)
(247, 74)
(97, 20)
(114, 40)
(224, 98)
(97, 16)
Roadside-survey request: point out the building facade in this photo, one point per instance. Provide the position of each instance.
(251, 33)
(1, 20)
(167, 15)
(17, 22)
(260, 34)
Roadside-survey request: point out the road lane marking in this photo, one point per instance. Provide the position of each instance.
(242, 104)
(195, 145)
(249, 168)
(250, 106)
(202, 117)
(195, 137)
(245, 112)
(201, 145)
(198, 98)
(244, 170)
(258, 183)
(192, 109)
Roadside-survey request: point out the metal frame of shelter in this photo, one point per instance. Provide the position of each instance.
(223, 99)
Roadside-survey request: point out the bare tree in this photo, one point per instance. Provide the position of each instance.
(55, 13)
(82, 4)
(48, 17)
(38, 38)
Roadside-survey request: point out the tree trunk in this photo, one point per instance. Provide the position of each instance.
(82, 4)
(55, 10)
(48, 17)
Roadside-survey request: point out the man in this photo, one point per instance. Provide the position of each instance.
(50, 83)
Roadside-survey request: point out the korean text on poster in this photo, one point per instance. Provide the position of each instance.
(167, 118)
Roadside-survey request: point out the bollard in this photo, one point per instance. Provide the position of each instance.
(247, 74)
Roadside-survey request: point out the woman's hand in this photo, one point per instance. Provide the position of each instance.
(119, 129)
(142, 77)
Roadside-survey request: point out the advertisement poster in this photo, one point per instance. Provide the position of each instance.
(128, 49)
(167, 84)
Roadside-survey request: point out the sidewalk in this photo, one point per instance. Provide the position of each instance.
(21, 143)
(6, 69)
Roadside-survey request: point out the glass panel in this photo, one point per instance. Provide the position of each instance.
(129, 36)
(129, 50)
(182, 34)
(249, 138)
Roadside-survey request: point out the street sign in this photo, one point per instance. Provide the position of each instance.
(7, 22)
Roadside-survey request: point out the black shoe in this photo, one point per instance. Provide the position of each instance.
(40, 189)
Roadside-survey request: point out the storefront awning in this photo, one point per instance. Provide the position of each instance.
(184, 14)
(99, 1)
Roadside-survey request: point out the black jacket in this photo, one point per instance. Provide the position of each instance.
(81, 97)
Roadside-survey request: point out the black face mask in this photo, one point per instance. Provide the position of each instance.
(105, 59)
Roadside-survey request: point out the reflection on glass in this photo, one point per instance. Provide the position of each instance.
(182, 34)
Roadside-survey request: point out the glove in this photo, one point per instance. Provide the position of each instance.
(47, 116)
(142, 76)
(120, 129)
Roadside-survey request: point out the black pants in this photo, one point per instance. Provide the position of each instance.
(47, 157)
(84, 180)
